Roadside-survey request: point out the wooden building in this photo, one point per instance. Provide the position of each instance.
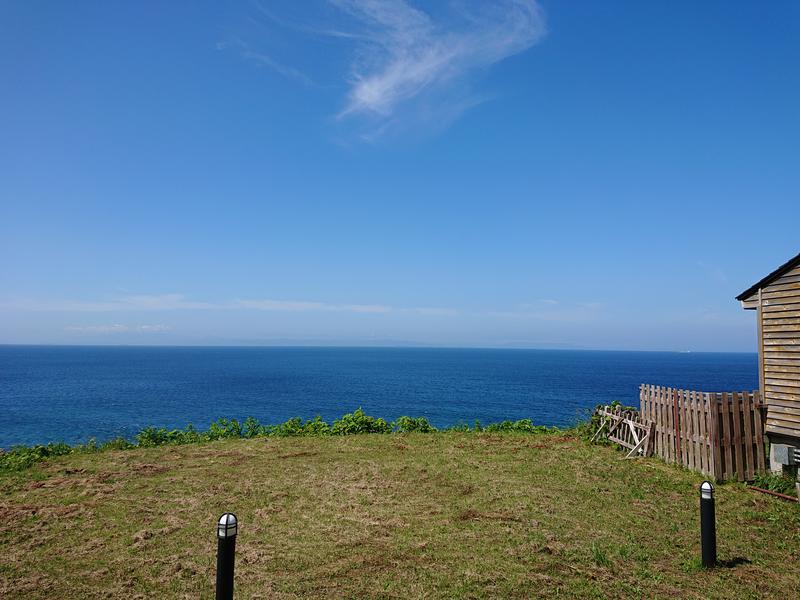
(776, 298)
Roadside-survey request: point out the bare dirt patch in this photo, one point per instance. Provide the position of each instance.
(298, 454)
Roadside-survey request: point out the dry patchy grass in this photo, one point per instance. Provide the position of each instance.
(386, 516)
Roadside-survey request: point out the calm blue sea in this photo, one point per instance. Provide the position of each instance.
(54, 393)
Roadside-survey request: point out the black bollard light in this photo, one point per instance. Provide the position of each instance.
(226, 549)
(708, 526)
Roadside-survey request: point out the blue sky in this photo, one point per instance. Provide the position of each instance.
(515, 174)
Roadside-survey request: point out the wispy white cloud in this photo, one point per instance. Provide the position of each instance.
(295, 306)
(116, 328)
(122, 303)
(428, 311)
(406, 65)
(264, 60)
(160, 302)
(545, 310)
(173, 302)
(139, 302)
(403, 52)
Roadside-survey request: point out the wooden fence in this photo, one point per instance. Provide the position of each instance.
(718, 434)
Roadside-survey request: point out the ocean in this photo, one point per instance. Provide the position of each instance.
(74, 393)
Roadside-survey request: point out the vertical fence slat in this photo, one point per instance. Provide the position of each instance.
(653, 416)
(718, 420)
(687, 429)
(690, 454)
(704, 441)
(725, 443)
(695, 437)
(759, 430)
(643, 405)
(747, 412)
(701, 432)
(659, 424)
(682, 431)
(663, 424)
(686, 440)
(737, 445)
(676, 427)
(712, 426)
(698, 455)
(670, 412)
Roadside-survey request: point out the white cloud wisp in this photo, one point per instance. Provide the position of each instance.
(403, 52)
(116, 328)
(402, 65)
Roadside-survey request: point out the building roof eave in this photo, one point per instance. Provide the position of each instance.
(787, 266)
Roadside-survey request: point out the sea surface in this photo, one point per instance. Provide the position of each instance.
(61, 393)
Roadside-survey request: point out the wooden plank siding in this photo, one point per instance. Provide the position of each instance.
(778, 304)
(720, 435)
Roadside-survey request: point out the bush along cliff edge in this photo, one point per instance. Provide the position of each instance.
(355, 423)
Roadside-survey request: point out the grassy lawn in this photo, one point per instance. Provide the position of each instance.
(403, 515)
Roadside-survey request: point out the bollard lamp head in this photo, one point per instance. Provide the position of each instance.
(227, 526)
(706, 490)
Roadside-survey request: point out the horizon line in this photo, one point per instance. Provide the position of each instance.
(371, 347)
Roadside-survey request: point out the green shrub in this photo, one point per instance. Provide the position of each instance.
(190, 435)
(296, 427)
(316, 426)
(152, 436)
(290, 428)
(776, 483)
(521, 426)
(252, 428)
(460, 428)
(223, 429)
(359, 422)
(22, 457)
(413, 424)
(588, 426)
(118, 443)
(161, 436)
(90, 446)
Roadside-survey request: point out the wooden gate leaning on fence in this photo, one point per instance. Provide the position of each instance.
(625, 428)
(718, 434)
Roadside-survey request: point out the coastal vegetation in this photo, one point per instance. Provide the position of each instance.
(357, 422)
(518, 511)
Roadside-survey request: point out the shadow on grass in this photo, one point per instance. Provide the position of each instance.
(694, 566)
(733, 562)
